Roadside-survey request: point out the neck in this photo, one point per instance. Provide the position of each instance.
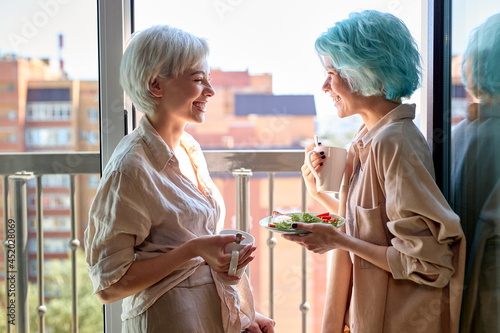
(169, 131)
(375, 108)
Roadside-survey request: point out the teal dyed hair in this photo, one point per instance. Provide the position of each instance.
(375, 53)
(481, 63)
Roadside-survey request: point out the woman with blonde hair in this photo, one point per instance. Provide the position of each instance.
(152, 239)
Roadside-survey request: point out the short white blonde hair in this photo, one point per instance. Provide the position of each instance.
(157, 51)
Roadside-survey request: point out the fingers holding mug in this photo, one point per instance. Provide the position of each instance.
(328, 174)
(240, 255)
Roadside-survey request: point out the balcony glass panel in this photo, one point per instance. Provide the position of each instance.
(48, 96)
(475, 157)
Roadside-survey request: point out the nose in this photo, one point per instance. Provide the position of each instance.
(326, 85)
(209, 91)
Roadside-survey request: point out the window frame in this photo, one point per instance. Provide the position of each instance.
(116, 23)
(438, 130)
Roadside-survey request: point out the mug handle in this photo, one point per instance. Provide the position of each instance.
(235, 255)
(309, 164)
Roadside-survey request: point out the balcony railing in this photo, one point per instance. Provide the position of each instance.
(17, 168)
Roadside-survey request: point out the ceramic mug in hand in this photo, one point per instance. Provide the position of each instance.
(330, 177)
(234, 248)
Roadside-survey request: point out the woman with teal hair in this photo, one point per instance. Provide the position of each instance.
(397, 263)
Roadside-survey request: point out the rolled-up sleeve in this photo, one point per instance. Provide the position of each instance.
(118, 221)
(422, 224)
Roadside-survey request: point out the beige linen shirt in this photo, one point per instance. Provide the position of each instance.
(399, 206)
(144, 207)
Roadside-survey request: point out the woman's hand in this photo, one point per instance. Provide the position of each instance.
(211, 248)
(322, 237)
(261, 324)
(317, 160)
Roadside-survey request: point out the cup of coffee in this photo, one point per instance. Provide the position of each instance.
(242, 239)
(330, 177)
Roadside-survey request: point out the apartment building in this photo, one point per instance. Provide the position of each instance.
(42, 110)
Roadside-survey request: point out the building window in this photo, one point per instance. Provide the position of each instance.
(8, 135)
(92, 115)
(56, 223)
(54, 201)
(55, 181)
(12, 115)
(48, 111)
(92, 138)
(52, 137)
(55, 245)
(93, 181)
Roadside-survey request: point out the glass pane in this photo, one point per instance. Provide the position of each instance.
(475, 159)
(268, 81)
(49, 102)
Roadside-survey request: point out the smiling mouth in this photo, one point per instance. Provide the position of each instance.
(337, 99)
(200, 105)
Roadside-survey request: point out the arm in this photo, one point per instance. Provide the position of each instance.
(120, 222)
(325, 237)
(144, 273)
(423, 226)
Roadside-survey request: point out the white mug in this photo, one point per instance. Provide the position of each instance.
(234, 248)
(330, 177)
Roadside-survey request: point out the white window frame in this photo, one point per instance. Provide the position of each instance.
(114, 29)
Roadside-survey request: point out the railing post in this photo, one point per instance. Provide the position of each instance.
(242, 198)
(17, 263)
(304, 306)
(41, 308)
(271, 242)
(74, 243)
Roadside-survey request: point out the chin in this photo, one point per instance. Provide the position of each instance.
(198, 120)
(340, 114)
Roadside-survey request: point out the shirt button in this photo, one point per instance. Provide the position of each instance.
(212, 230)
(405, 273)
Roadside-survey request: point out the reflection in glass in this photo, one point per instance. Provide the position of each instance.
(475, 177)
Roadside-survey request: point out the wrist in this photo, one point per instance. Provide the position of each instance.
(192, 248)
(314, 193)
(345, 242)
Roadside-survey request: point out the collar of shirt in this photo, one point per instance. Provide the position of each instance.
(160, 150)
(363, 137)
(162, 154)
(401, 112)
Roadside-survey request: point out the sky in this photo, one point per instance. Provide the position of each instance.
(261, 36)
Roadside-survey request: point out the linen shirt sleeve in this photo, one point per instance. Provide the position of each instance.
(422, 223)
(118, 221)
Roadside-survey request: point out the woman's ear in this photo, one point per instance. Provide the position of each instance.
(155, 87)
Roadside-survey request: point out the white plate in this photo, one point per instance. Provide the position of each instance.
(265, 223)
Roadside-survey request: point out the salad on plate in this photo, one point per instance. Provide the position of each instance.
(283, 222)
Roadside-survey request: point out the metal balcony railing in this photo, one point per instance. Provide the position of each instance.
(17, 168)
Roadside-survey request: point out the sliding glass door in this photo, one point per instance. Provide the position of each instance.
(475, 155)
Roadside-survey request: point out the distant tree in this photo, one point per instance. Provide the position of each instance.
(58, 299)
